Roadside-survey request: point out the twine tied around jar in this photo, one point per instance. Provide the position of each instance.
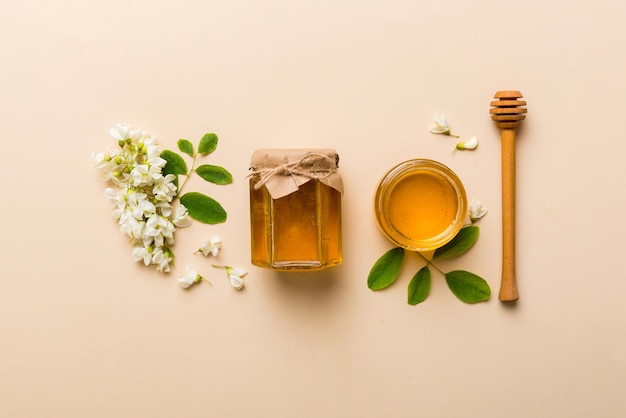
(313, 166)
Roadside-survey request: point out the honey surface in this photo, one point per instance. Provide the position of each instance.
(421, 205)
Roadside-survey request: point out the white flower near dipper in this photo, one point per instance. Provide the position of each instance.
(470, 144)
(476, 210)
(441, 126)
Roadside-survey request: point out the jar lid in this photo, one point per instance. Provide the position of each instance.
(283, 171)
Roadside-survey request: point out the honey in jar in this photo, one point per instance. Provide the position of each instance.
(420, 205)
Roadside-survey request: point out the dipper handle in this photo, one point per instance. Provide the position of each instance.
(508, 113)
(508, 286)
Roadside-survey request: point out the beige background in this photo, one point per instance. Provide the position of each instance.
(86, 332)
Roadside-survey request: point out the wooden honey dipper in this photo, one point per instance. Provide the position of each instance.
(508, 113)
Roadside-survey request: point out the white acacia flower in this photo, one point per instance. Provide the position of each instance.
(119, 202)
(235, 275)
(189, 278)
(148, 172)
(142, 253)
(119, 131)
(140, 175)
(115, 197)
(164, 265)
(109, 163)
(136, 135)
(100, 158)
(162, 259)
(441, 125)
(106, 160)
(161, 229)
(471, 143)
(139, 205)
(164, 207)
(165, 188)
(153, 157)
(476, 210)
(132, 227)
(211, 246)
(181, 217)
(155, 225)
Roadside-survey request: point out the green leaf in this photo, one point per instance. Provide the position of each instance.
(175, 163)
(386, 269)
(203, 209)
(208, 144)
(467, 286)
(214, 174)
(460, 244)
(185, 146)
(419, 286)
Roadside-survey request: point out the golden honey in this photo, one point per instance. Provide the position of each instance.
(420, 205)
(295, 209)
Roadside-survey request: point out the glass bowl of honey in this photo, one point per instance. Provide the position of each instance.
(420, 205)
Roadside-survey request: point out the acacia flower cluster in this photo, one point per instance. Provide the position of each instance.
(142, 195)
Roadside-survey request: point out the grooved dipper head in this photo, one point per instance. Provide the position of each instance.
(508, 111)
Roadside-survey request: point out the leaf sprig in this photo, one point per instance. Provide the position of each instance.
(201, 207)
(466, 286)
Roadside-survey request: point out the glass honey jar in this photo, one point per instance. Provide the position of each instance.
(295, 209)
(420, 205)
